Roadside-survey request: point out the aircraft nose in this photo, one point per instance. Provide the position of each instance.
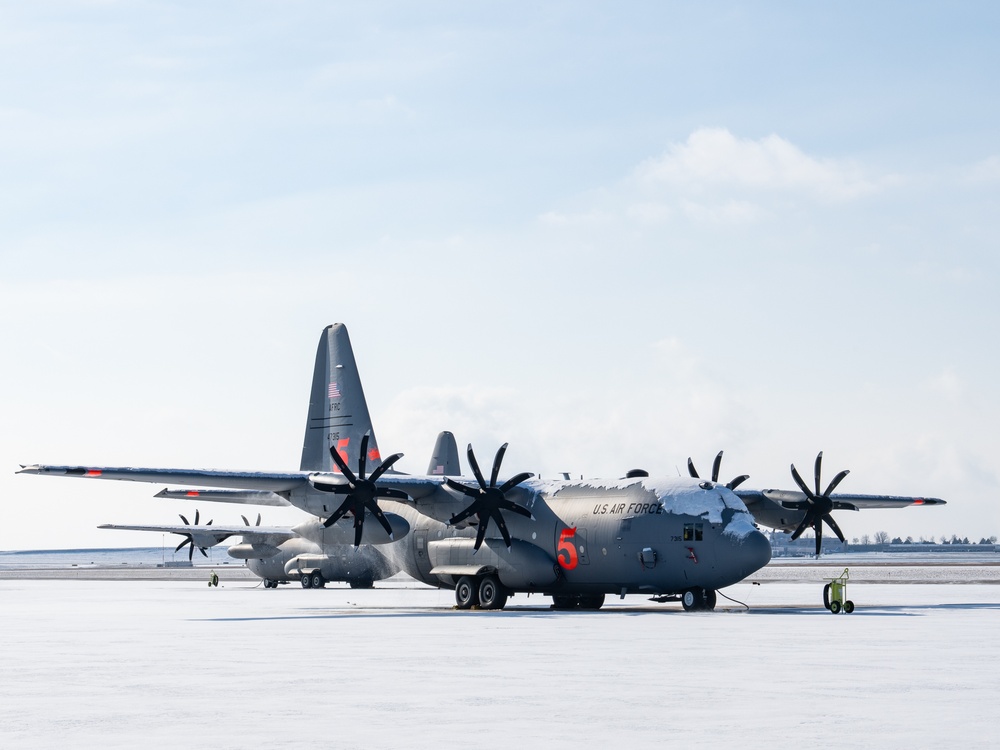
(754, 553)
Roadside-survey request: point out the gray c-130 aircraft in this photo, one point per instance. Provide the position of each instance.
(488, 537)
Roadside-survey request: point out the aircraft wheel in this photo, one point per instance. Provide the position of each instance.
(564, 602)
(491, 594)
(362, 584)
(693, 599)
(710, 599)
(848, 606)
(466, 593)
(306, 581)
(591, 601)
(318, 581)
(269, 584)
(826, 596)
(835, 606)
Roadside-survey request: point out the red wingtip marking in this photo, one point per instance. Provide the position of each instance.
(193, 493)
(918, 501)
(93, 473)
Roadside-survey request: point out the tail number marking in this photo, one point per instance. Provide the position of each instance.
(565, 551)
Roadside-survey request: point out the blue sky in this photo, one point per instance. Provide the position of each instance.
(612, 236)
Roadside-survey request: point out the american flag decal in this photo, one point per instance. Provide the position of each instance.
(334, 391)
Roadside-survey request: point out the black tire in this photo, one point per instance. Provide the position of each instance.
(591, 601)
(466, 593)
(362, 584)
(492, 595)
(710, 599)
(561, 601)
(826, 596)
(693, 600)
(835, 606)
(306, 581)
(318, 582)
(848, 606)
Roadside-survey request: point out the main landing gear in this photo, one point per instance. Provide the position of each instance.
(698, 599)
(485, 592)
(313, 580)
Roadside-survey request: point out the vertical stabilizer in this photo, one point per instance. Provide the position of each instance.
(444, 460)
(338, 413)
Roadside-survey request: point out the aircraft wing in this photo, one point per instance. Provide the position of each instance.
(242, 480)
(216, 533)
(243, 497)
(840, 501)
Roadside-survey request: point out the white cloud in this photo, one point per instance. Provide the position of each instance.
(714, 158)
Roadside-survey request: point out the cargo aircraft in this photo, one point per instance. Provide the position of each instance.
(491, 536)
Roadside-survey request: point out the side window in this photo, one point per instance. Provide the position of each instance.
(694, 532)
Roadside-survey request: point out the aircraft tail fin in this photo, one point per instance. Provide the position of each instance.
(444, 459)
(338, 413)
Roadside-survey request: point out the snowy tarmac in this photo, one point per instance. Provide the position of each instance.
(173, 663)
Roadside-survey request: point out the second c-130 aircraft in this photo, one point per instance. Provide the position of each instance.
(491, 536)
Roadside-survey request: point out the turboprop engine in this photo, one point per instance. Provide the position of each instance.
(258, 551)
(343, 531)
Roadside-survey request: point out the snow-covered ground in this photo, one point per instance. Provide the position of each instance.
(133, 663)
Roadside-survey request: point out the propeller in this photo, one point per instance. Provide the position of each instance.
(189, 538)
(817, 505)
(489, 500)
(716, 465)
(248, 523)
(362, 493)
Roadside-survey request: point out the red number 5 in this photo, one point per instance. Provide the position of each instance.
(565, 551)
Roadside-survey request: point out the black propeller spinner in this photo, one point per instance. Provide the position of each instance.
(489, 499)
(361, 493)
(189, 539)
(817, 506)
(716, 465)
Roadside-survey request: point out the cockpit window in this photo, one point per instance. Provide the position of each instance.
(693, 532)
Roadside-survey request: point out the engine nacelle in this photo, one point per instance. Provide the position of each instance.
(258, 551)
(342, 532)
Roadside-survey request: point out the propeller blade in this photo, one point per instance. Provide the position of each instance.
(514, 508)
(806, 522)
(737, 481)
(515, 480)
(818, 469)
(833, 525)
(475, 468)
(496, 465)
(716, 465)
(342, 465)
(258, 519)
(458, 518)
(359, 527)
(393, 493)
(691, 470)
(480, 535)
(818, 526)
(202, 551)
(363, 456)
(462, 488)
(801, 484)
(191, 551)
(502, 525)
(186, 523)
(836, 480)
(187, 540)
(380, 517)
(338, 514)
(245, 521)
(197, 516)
(385, 466)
